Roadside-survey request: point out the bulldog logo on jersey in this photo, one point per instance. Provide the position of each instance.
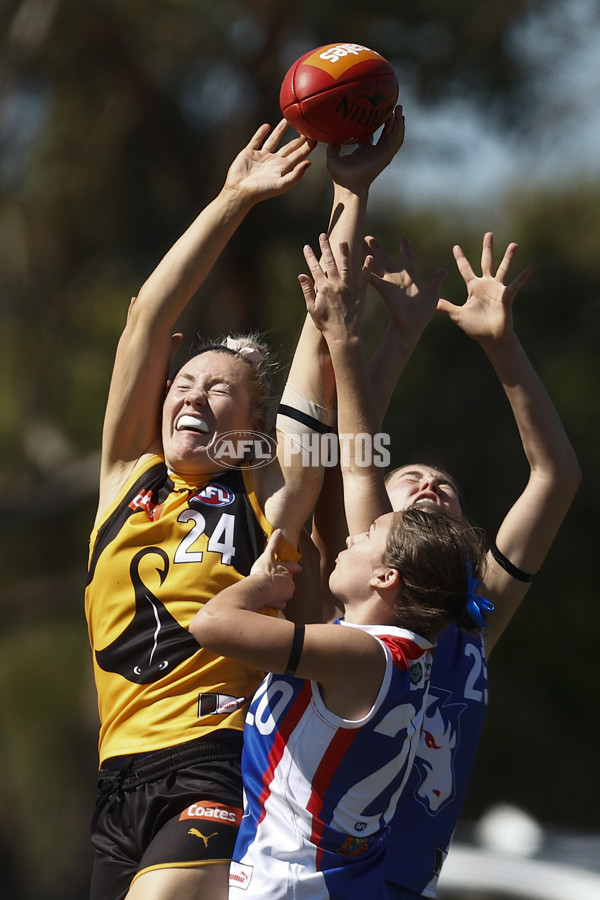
(434, 757)
(154, 642)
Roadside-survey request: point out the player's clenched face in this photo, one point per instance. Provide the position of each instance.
(417, 484)
(209, 397)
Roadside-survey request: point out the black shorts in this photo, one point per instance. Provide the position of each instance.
(181, 805)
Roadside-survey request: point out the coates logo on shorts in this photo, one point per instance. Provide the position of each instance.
(216, 812)
(234, 447)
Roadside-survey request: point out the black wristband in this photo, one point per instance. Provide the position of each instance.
(509, 567)
(296, 650)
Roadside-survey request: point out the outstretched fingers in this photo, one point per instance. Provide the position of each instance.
(447, 307)
(297, 149)
(334, 284)
(464, 266)
(272, 140)
(504, 266)
(258, 138)
(392, 134)
(309, 285)
(407, 258)
(509, 255)
(308, 290)
(487, 254)
(382, 265)
(436, 281)
(365, 273)
(327, 266)
(487, 263)
(312, 261)
(335, 268)
(517, 283)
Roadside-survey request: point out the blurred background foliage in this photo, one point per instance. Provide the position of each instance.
(119, 120)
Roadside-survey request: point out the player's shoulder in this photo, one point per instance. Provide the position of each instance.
(453, 636)
(459, 662)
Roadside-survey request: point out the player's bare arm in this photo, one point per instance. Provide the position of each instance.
(132, 423)
(347, 662)
(291, 492)
(336, 307)
(530, 526)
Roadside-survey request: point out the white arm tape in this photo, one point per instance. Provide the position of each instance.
(299, 415)
(298, 418)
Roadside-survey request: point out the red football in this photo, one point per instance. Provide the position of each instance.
(339, 93)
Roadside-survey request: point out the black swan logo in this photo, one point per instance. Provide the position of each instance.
(154, 642)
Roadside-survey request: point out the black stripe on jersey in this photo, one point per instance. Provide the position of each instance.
(152, 480)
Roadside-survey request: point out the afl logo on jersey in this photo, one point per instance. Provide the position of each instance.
(215, 494)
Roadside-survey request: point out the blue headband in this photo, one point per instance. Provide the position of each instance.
(476, 604)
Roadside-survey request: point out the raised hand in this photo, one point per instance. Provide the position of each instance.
(334, 304)
(410, 305)
(356, 170)
(263, 169)
(486, 314)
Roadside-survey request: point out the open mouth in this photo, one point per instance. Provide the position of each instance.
(192, 423)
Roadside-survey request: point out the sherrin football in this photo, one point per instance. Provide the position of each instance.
(339, 93)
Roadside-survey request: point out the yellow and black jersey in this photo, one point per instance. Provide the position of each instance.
(163, 549)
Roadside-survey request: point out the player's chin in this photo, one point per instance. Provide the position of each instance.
(190, 445)
(189, 459)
